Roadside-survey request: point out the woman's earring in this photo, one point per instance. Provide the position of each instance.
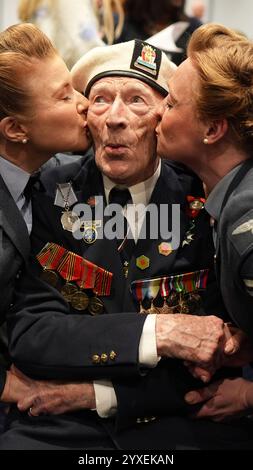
(24, 141)
(205, 141)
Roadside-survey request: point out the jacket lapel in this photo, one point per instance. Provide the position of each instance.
(12, 222)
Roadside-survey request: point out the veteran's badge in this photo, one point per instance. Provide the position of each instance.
(165, 248)
(146, 58)
(90, 234)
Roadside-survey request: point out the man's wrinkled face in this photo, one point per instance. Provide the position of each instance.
(122, 118)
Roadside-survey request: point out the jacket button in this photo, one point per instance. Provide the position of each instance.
(112, 355)
(104, 357)
(96, 359)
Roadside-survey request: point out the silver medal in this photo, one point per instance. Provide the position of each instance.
(69, 221)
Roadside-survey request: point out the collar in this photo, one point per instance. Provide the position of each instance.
(141, 192)
(14, 177)
(215, 199)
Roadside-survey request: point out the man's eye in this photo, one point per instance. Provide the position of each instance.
(67, 98)
(169, 105)
(137, 99)
(99, 99)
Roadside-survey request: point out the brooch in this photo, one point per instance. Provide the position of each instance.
(195, 205)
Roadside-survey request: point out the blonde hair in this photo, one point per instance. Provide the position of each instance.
(109, 7)
(27, 9)
(223, 59)
(19, 46)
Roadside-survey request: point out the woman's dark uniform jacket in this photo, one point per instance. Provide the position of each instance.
(49, 340)
(235, 252)
(14, 251)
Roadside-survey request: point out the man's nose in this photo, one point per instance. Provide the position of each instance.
(117, 115)
(82, 103)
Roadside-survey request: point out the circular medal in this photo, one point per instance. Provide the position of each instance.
(50, 277)
(68, 290)
(68, 220)
(193, 302)
(173, 299)
(80, 300)
(90, 235)
(96, 306)
(196, 205)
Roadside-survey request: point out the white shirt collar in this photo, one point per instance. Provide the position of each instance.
(141, 192)
(14, 177)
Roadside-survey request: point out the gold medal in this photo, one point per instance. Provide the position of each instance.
(68, 219)
(193, 301)
(68, 290)
(173, 303)
(80, 300)
(96, 306)
(50, 277)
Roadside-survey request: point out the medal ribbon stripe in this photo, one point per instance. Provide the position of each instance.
(50, 256)
(103, 282)
(72, 267)
(88, 275)
(181, 283)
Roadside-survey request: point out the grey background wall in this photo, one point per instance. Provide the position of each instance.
(233, 13)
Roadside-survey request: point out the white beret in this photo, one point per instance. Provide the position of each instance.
(136, 59)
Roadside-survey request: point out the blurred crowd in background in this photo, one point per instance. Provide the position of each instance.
(76, 26)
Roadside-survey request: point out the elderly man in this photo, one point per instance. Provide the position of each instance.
(94, 322)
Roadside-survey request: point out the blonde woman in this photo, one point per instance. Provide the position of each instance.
(71, 26)
(111, 18)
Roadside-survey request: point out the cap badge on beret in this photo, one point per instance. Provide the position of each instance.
(146, 58)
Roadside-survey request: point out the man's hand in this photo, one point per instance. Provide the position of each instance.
(223, 400)
(17, 385)
(238, 352)
(51, 398)
(189, 337)
(46, 396)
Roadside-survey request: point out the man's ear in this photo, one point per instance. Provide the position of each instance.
(12, 130)
(216, 130)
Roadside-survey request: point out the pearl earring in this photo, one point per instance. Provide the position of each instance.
(24, 141)
(205, 141)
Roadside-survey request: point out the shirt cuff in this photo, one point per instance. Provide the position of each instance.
(106, 401)
(147, 348)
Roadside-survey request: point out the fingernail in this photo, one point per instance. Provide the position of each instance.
(229, 349)
(204, 378)
(190, 397)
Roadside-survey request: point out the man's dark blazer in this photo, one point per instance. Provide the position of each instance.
(49, 340)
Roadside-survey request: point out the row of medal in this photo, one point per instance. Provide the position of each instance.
(178, 293)
(61, 265)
